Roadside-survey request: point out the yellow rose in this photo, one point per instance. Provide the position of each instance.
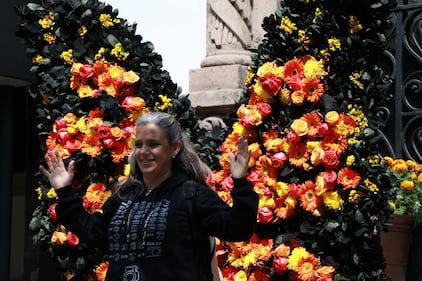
(300, 127)
(332, 117)
(298, 97)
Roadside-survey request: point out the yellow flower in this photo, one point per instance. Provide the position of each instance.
(37, 58)
(287, 26)
(304, 39)
(119, 52)
(48, 21)
(354, 77)
(319, 14)
(333, 200)
(165, 102)
(106, 20)
(297, 254)
(49, 37)
(350, 160)
(38, 190)
(371, 186)
(334, 44)
(69, 275)
(51, 193)
(354, 24)
(82, 30)
(100, 54)
(314, 68)
(300, 127)
(240, 276)
(67, 56)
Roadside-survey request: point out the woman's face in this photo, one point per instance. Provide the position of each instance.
(154, 154)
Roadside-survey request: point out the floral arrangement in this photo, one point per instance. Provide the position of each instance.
(92, 77)
(406, 179)
(309, 114)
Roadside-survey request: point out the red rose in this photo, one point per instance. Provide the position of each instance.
(52, 211)
(295, 190)
(280, 265)
(254, 177)
(86, 71)
(272, 84)
(330, 160)
(104, 132)
(323, 129)
(265, 215)
(278, 160)
(72, 239)
(292, 137)
(264, 108)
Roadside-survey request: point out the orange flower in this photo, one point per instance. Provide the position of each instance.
(307, 268)
(348, 178)
(293, 67)
(101, 271)
(95, 193)
(298, 154)
(313, 89)
(314, 122)
(282, 250)
(407, 184)
(309, 200)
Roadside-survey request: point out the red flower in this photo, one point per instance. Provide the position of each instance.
(331, 160)
(52, 211)
(86, 71)
(264, 108)
(72, 239)
(272, 84)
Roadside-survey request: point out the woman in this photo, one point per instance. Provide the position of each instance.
(145, 227)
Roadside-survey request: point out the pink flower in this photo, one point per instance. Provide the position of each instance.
(292, 137)
(245, 121)
(104, 132)
(227, 184)
(330, 178)
(264, 108)
(280, 265)
(60, 123)
(265, 215)
(278, 160)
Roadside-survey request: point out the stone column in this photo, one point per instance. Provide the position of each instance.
(233, 30)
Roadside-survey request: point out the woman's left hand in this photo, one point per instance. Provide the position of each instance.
(239, 163)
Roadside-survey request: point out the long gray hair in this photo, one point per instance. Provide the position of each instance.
(187, 160)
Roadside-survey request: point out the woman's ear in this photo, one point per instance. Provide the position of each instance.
(177, 148)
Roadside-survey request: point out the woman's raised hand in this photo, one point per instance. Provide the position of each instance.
(57, 174)
(239, 163)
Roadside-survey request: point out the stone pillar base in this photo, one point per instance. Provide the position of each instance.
(217, 87)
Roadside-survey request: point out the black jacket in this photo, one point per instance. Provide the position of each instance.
(150, 237)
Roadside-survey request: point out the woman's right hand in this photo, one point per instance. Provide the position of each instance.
(57, 174)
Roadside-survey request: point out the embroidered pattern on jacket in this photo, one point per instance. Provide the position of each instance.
(138, 230)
